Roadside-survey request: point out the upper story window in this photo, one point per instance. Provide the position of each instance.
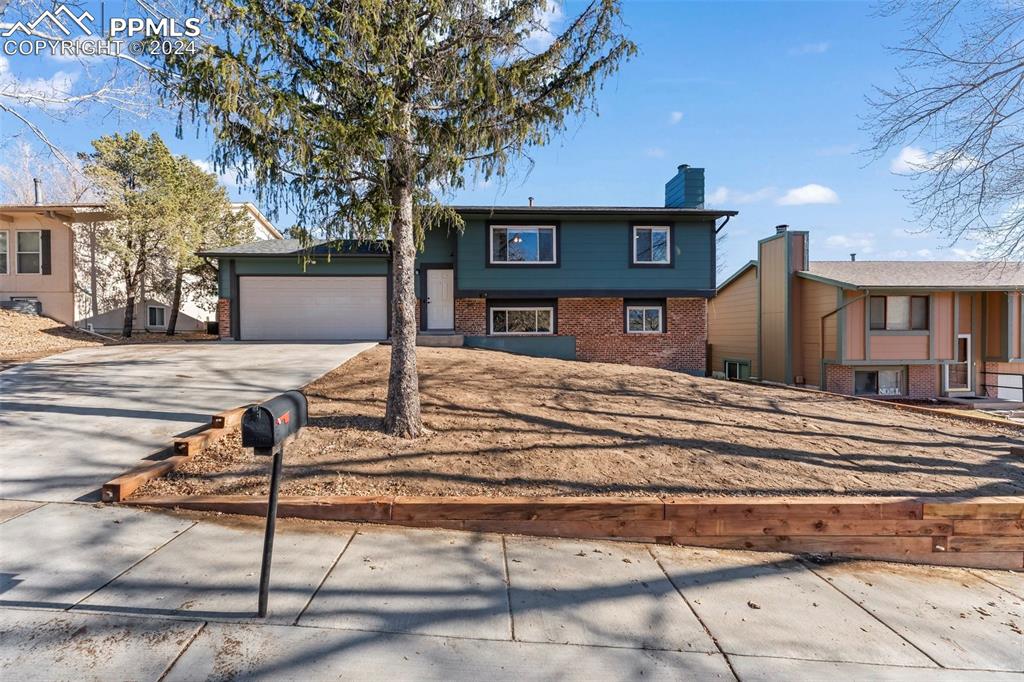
(4, 251)
(523, 245)
(30, 252)
(899, 313)
(652, 245)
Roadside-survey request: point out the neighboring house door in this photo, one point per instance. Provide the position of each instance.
(440, 298)
(312, 308)
(958, 374)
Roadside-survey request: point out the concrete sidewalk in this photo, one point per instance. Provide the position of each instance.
(94, 592)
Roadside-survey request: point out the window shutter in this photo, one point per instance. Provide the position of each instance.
(45, 256)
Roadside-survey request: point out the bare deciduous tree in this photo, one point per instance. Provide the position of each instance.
(956, 113)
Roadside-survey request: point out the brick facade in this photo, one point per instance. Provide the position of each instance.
(599, 327)
(224, 318)
(471, 316)
(922, 380)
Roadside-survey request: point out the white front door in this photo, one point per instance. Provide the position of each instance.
(440, 298)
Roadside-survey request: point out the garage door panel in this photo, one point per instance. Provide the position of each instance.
(312, 308)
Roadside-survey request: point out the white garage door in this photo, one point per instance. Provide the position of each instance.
(313, 308)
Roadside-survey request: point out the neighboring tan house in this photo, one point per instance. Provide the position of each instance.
(152, 314)
(911, 329)
(612, 284)
(36, 252)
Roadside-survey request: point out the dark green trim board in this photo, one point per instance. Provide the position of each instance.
(931, 332)
(233, 275)
(585, 293)
(630, 231)
(559, 347)
(840, 326)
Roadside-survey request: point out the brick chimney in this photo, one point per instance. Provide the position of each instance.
(686, 189)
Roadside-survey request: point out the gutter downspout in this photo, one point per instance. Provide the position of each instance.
(821, 334)
(722, 226)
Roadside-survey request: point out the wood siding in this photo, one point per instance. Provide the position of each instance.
(899, 347)
(942, 325)
(854, 321)
(817, 300)
(732, 323)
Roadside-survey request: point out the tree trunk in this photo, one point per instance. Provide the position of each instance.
(129, 307)
(402, 417)
(175, 302)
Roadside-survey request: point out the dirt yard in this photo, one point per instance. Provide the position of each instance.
(24, 338)
(503, 424)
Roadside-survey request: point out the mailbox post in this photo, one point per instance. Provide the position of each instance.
(266, 428)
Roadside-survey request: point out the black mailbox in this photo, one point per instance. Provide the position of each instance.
(267, 425)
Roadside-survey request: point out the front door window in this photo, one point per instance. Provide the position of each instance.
(958, 374)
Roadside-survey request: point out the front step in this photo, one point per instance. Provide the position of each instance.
(440, 340)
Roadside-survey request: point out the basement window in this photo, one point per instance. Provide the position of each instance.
(881, 382)
(522, 321)
(644, 319)
(737, 369)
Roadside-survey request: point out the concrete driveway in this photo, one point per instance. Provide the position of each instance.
(73, 421)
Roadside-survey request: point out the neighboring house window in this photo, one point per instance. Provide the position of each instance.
(737, 369)
(652, 245)
(523, 245)
(886, 382)
(30, 252)
(644, 319)
(522, 320)
(156, 316)
(4, 251)
(899, 313)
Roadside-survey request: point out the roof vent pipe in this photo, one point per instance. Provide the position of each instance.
(38, 187)
(530, 199)
(853, 257)
(779, 229)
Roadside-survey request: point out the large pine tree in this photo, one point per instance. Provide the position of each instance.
(357, 114)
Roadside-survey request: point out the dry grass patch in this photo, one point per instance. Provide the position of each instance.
(502, 424)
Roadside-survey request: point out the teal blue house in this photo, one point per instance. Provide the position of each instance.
(602, 283)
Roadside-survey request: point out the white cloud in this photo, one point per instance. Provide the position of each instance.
(917, 160)
(863, 242)
(655, 152)
(48, 93)
(544, 33)
(808, 194)
(228, 178)
(724, 195)
(810, 48)
(675, 117)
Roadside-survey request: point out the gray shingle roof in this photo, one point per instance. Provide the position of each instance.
(289, 247)
(592, 210)
(922, 274)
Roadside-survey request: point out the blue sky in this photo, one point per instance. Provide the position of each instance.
(768, 97)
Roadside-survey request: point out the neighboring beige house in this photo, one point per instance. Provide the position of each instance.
(917, 329)
(36, 252)
(152, 314)
(37, 268)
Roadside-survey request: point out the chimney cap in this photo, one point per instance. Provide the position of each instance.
(853, 257)
(779, 229)
(682, 166)
(530, 200)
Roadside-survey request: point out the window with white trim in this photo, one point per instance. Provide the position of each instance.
(883, 382)
(522, 320)
(29, 254)
(644, 319)
(652, 245)
(157, 316)
(4, 252)
(523, 245)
